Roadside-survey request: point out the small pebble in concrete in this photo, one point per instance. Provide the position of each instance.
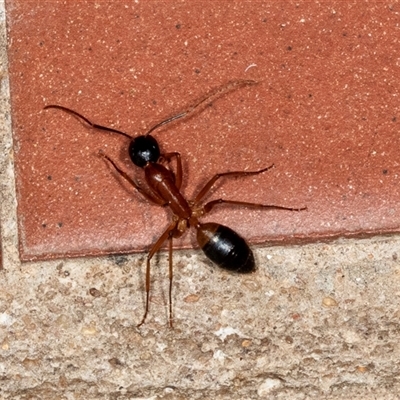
(329, 302)
(268, 386)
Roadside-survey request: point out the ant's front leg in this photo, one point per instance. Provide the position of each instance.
(178, 175)
(146, 194)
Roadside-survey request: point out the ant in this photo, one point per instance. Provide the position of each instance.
(221, 244)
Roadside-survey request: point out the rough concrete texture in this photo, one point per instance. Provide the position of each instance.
(317, 321)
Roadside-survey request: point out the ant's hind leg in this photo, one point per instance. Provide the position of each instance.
(166, 235)
(171, 275)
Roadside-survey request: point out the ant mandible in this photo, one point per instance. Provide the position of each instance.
(220, 244)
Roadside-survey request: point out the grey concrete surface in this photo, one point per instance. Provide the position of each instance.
(315, 321)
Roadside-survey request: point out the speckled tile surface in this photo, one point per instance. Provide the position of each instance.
(326, 113)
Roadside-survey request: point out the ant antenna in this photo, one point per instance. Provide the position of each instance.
(209, 98)
(81, 117)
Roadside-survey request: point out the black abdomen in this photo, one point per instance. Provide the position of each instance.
(225, 248)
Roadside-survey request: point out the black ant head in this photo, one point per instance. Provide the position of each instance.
(143, 150)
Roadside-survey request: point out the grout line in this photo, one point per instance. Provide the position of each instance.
(8, 213)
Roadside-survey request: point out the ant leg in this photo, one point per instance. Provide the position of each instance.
(84, 119)
(232, 174)
(166, 235)
(209, 206)
(171, 274)
(148, 195)
(178, 176)
(213, 95)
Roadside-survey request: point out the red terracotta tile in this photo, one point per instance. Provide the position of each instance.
(326, 113)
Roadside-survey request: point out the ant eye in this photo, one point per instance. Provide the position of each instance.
(144, 149)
